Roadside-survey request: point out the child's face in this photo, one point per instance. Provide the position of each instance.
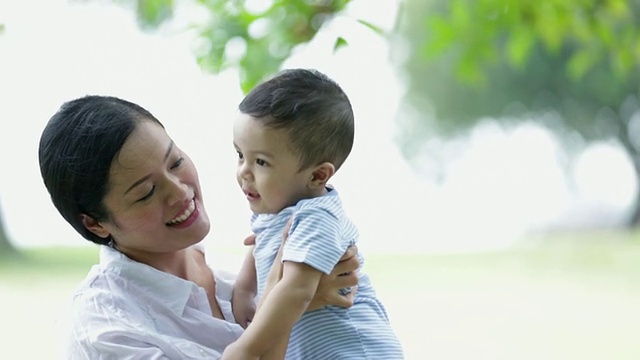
(268, 171)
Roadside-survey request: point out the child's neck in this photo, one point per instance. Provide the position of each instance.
(312, 193)
(317, 192)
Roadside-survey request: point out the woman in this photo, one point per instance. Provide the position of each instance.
(117, 177)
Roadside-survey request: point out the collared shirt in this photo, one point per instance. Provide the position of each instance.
(128, 310)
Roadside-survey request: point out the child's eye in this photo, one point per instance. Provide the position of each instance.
(239, 154)
(261, 162)
(149, 194)
(177, 163)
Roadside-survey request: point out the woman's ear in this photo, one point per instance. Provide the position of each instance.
(92, 225)
(321, 175)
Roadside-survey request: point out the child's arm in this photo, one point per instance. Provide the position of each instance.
(244, 292)
(278, 312)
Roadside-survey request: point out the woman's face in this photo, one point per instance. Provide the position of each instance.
(154, 196)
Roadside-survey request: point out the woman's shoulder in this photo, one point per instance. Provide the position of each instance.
(99, 289)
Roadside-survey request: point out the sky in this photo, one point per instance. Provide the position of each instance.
(499, 184)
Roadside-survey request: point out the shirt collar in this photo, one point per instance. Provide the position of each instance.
(173, 290)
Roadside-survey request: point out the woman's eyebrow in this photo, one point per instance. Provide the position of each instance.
(146, 177)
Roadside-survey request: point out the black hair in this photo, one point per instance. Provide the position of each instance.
(77, 148)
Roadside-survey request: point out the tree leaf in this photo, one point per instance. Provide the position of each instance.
(152, 13)
(340, 42)
(442, 36)
(378, 30)
(519, 46)
(580, 62)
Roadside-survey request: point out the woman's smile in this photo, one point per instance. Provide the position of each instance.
(184, 215)
(187, 217)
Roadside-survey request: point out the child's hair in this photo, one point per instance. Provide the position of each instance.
(312, 108)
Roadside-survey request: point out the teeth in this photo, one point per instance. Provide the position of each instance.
(185, 215)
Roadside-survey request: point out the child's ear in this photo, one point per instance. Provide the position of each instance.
(321, 175)
(94, 226)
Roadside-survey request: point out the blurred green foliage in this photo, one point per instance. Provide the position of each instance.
(265, 37)
(468, 60)
(587, 31)
(573, 66)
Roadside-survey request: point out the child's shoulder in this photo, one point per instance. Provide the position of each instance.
(329, 203)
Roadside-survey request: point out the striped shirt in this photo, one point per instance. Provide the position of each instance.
(320, 234)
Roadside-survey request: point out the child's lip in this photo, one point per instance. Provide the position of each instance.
(251, 195)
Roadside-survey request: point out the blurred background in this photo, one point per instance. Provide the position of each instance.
(494, 177)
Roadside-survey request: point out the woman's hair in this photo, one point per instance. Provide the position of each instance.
(312, 108)
(77, 148)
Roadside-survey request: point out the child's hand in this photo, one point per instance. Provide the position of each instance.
(243, 306)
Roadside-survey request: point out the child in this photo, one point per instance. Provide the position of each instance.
(294, 132)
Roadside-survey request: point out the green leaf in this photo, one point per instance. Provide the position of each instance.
(622, 62)
(549, 26)
(152, 13)
(340, 42)
(378, 30)
(580, 62)
(460, 14)
(469, 71)
(519, 46)
(442, 37)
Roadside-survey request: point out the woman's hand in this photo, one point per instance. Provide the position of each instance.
(243, 306)
(342, 276)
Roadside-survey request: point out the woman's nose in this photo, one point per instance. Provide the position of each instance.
(178, 191)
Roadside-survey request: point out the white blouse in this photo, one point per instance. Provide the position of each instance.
(128, 310)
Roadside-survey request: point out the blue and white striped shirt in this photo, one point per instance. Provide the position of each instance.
(320, 234)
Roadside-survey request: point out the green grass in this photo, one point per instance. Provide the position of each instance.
(47, 263)
(561, 296)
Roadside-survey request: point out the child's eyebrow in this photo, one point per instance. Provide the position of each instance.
(254, 152)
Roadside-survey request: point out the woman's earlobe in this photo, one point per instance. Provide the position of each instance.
(94, 226)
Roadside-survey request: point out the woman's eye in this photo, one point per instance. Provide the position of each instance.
(149, 194)
(177, 163)
(261, 162)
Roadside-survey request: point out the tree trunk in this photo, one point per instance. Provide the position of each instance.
(634, 220)
(6, 247)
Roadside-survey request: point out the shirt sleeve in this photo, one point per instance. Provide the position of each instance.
(314, 239)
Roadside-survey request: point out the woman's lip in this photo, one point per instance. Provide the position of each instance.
(188, 208)
(190, 220)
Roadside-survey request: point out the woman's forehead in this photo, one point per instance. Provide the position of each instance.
(147, 146)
